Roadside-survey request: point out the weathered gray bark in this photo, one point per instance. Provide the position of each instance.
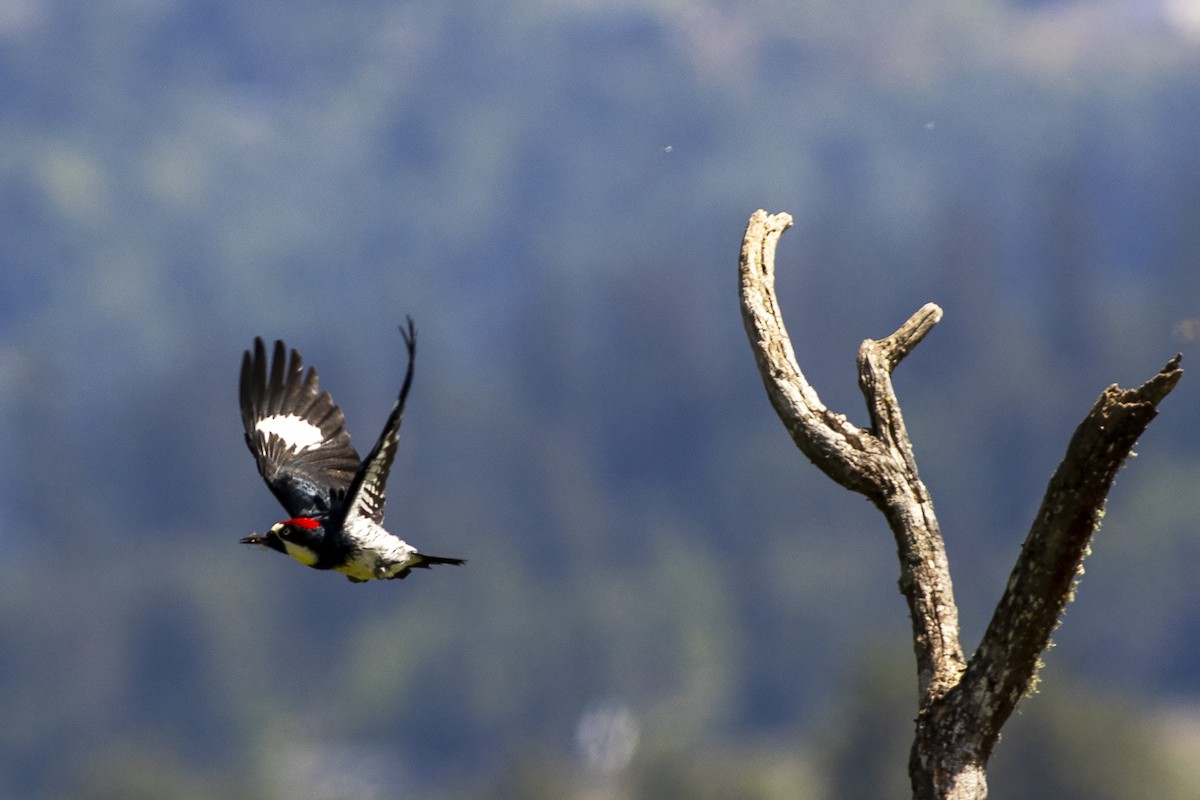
(962, 704)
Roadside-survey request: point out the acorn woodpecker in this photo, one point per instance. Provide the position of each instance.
(335, 502)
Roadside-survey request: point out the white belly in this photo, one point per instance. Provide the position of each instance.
(380, 554)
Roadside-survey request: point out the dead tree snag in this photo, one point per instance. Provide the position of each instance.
(963, 702)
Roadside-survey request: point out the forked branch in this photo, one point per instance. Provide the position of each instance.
(962, 705)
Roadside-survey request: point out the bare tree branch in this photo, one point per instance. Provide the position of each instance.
(876, 360)
(1004, 667)
(877, 463)
(962, 706)
(829, 440)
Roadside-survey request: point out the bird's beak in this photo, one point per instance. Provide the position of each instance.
(254, 538)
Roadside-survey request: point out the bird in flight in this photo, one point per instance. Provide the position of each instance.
(334, 501)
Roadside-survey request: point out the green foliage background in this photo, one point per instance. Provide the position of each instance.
(556, 192)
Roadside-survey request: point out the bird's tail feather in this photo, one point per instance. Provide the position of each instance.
(428, 561)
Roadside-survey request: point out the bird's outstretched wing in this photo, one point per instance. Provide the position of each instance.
(365, 496)
(295, 431)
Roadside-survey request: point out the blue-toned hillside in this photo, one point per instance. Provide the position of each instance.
(663, 599)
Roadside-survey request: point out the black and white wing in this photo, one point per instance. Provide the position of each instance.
(295, 431)
(365, 497)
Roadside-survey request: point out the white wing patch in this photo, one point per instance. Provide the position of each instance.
(296, 432)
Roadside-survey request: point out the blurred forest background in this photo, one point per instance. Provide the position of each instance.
(664, 599)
